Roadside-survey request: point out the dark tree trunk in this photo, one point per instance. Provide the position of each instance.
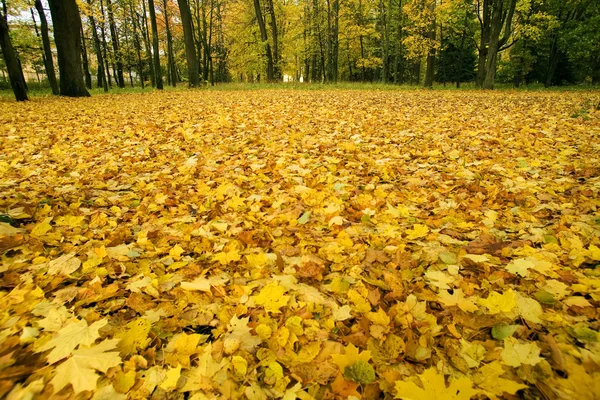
(552, 61)
(105, 46)
(86, 65)
(136, 42)
(48, 60)
(156, 55)
(15, 74)
(147, 42)
(115, 44)
(172, 70)
(276, 66)
(430, 71)
(102, 82)
(335, 41)
(500, 14)
(264, 38)
(67, 31)
(190, 48)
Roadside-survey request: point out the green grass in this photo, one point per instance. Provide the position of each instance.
(39, 91)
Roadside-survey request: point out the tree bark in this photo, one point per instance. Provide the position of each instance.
(15, 74)
(147, 45)
(275, 36)
(500, 15)
(115, 44)
(430, 71)
(190, 48)
(156, 55)
(264, 38)
(136, 42)
(172, 72)
(48, 60)
(105, 46)
(84, 58)
(67, 31)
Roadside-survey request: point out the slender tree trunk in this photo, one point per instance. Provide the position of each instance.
(190, 48)
(115, 45)
(147, 42)
(171, 71)
(430, 71)
(84, 57)
(335, 41)
(157, 71)
(552, 61)
(264, 39)
(49, 63)
(136, 42)
(105, 46)
(462, 50)
(102, 82)
(275, 36)
(67, 31)
(15, 74)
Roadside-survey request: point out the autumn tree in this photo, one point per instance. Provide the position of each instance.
(67, 36)
(48, 57)
(495, 20)
(190, 49)
(15, 74)
(156, 55)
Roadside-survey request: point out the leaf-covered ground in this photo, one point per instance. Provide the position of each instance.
(289, 244)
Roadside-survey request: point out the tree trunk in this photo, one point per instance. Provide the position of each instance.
(86, 65)
(156, 55)
(335, 41)
(67, 31)
(264, 39)
(190, 47)
(171, 71)
(136, 42)
(105, 46)
(500, 14)
(146, 36)
(552, 62)
(430, 71)
(115, 44)
(49, 63)
(102, 82)
(276, 66)
(15, 74)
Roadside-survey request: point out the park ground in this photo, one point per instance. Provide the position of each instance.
(301, 244)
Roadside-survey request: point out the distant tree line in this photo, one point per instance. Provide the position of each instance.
(115, 43)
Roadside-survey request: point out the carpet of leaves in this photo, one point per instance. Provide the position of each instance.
(291, 244)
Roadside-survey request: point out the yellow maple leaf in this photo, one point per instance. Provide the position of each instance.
(489, 380)
(226, 257)
(176, 252)
(418, 231)
(457, 298)
(272, 297)
(42, 228)
(517, 353)
(350, 356)
(500, 303)
(70, 337)
(79, 369)
(434, 387)
(170, 382)
(134, 336)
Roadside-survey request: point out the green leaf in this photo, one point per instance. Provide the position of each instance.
(360, 372)
(544, 297)
(304, 218)
(502, 330)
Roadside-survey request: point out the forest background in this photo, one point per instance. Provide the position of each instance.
(418, 42)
